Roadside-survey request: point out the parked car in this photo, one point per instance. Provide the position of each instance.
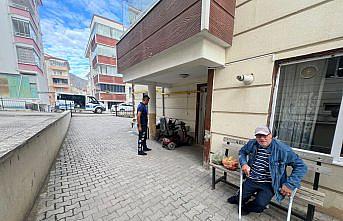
(122, 107)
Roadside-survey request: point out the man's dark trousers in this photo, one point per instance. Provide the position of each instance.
(264, 193)
(142, 139)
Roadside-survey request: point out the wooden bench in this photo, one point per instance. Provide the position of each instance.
(312, 197)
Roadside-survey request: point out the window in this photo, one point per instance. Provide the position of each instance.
(112, 88)
(58, 63)
(307, 111)
(116, 33)
(24, 4)
(28, 55)
(106, 31)
(57, 72)
(106, 69)
(105, 51)
(59, 81)
(4, 89)
(33, 90)
(21, 28)
(103, 30)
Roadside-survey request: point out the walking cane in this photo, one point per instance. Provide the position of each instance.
(289, 212)
(240, 194)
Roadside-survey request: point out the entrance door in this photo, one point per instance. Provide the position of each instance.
(201, 113)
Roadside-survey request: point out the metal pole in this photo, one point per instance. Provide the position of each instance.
(213, 178)
(2, 103)
(163, 104)
(311, 208)
(240, 194)
(133, 99)
(65, 105)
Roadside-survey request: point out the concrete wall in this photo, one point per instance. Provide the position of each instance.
(289, 29)
(24, 169)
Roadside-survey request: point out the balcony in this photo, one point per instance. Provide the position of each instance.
(29, 68)
(108, 79)
(60, 76)
(111, 97)
(60, 85)
(100, 59)
(59, 68)
(28, 41)
(105, 40)
(176, 36)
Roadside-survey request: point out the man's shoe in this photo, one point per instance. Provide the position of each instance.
(142, 153)
(233, 200)
(244, 211)
(146, 149)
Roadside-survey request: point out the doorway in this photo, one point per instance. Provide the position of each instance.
(201, 111)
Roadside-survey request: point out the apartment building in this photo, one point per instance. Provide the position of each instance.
(105, 83)
(228, 66)
(22, 75)
(57, 70)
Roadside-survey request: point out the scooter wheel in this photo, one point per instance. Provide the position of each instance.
(189, 141)
(171, 146)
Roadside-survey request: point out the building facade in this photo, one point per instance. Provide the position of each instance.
(22, 74)
(228, 66)
(104, 81)
(57, 70)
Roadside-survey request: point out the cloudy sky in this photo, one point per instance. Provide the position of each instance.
(65, 26)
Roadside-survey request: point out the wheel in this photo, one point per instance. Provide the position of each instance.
(98, 110)
(189, 140)
(171, 146)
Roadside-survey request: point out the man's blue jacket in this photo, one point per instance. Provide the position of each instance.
(281, 156)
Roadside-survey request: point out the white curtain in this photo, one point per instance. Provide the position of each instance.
(298, 101)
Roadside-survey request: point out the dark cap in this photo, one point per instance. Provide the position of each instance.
(145, 96)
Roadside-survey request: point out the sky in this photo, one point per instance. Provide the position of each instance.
(65, 27)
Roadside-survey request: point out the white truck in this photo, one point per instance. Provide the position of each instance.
(78, 101)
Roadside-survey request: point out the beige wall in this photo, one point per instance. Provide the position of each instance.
(180, 103)
(23, 171)
(289, 29)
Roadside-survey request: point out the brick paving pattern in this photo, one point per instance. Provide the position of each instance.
(14, 123)
(17, 127)
(98, 176)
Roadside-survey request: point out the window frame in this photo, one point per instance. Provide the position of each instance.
(36, 59)
(336, 148)
(24, 22)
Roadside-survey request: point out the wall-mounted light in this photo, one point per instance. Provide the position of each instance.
(184, 75)
(246, 78)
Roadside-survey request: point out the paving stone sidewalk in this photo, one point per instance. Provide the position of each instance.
(98, 176)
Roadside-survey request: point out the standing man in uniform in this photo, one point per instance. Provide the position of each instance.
(142, 120)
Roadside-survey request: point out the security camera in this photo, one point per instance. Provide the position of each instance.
(246, 78)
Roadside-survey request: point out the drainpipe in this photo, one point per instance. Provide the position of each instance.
(21, 79)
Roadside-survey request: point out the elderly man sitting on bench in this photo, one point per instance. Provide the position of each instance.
(266, 171)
